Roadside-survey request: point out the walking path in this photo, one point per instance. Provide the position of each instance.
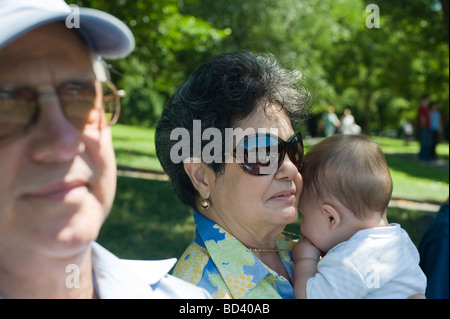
(442, 164)
(395, 202)
(416, 205)
(142, 173)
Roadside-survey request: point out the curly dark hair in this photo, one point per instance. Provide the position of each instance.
(220, 94)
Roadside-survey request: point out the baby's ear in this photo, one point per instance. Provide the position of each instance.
(332, 215)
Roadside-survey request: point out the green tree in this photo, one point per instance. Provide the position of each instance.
(302, 34)
(405, 57)
(379, 73)
(169, 45)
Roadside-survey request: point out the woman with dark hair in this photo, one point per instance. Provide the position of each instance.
(246, 192)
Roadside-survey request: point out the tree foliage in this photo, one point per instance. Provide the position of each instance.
(169, 45)
(379, 73)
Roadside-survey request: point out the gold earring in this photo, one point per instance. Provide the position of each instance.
(204, 203)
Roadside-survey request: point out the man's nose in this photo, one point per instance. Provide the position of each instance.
(55, 139)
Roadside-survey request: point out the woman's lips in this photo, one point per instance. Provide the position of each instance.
(284, 196)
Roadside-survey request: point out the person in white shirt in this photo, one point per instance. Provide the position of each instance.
(348, 124)
(347, 188)
(57, 163)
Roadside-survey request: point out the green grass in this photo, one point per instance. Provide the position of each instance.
(148, 221)
(412, 179)
(415, 222)
(398, 146)
(135, 147)
(417, 181)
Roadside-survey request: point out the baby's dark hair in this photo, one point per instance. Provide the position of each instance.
(351, 169)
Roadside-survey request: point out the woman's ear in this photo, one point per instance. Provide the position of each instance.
(197, 172)
(332, 215)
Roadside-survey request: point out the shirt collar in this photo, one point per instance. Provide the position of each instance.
(233, 259)
(117, 278)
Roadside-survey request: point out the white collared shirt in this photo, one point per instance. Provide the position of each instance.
(116, 278)
(380, 262)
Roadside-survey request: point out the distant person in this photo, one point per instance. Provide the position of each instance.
(423, 128)
(434, 255)
(346, 192)
(348, 124)
(329, 122)
(435, 127)
(408, 132)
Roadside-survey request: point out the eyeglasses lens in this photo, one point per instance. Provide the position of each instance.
(84, 103)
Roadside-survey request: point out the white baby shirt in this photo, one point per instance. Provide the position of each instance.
(379, 262)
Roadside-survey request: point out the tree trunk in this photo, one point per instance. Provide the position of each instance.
(445, 9)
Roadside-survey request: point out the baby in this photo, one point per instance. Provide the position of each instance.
(347, 188)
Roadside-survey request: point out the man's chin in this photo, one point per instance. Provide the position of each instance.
(68, 237)
(64, 247)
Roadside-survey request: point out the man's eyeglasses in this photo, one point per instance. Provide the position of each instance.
(263, 154)
(84, 103)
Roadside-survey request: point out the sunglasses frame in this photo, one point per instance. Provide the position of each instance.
(285, 150)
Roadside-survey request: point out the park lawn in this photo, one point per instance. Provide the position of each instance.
(135, 148)
(148, 221)
(412, 179)
(398, 146)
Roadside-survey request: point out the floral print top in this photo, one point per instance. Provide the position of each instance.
(221, 264)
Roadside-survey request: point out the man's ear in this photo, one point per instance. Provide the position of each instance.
(332, 215)
(197, 172)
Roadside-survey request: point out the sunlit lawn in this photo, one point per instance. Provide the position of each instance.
(148, 221)
(135, 147)
(414, 180)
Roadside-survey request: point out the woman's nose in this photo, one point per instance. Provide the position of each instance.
(287, 170)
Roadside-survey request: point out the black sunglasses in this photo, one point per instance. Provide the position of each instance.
(263, 154)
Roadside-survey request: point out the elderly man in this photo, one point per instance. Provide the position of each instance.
(57, 164)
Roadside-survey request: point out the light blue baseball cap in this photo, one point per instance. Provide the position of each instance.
(106, 35)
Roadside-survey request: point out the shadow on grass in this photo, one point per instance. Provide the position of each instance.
(148, 221)
(415, 222)
(130, 154)
(406, 164)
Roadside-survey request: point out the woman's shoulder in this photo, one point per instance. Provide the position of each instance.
(191, 264)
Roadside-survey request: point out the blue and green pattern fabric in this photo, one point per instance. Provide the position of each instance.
(221, 264)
